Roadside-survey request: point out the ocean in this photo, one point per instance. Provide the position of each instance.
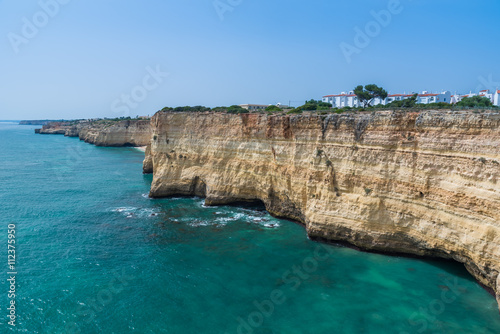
(93, 254)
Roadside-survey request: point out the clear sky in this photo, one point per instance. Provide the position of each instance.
(94, 58)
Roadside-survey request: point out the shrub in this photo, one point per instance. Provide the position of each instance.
(234, 109)
(273, 108)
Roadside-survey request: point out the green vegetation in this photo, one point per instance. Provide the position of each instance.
(234, 109)
(220, 109)
(273, 108)
(367, 94)
(311, 105)
(475, 102)
(406, 103)
(192, 109)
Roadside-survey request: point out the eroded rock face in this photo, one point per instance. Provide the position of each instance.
(147, 166)
(105, 133)
(417, 183)
(122, 133)
(53, 128)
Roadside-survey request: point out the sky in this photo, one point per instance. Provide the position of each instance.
(76, 59)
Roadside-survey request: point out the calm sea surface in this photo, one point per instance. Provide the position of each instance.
(95, 255)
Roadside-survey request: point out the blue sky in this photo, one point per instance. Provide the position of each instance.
(85, 58)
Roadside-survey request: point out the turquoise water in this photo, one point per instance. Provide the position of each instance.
(95, 255)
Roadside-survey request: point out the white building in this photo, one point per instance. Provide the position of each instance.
(486, 93)
(496, 98)
(254, 107)
(351, 100)
(397, 97)
(342, 100)
(427, 98)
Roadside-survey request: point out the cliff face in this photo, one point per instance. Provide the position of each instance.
(424, 184)
(110, 133)
(122, 133)
(53, 128)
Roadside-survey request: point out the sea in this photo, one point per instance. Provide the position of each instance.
(92, 253)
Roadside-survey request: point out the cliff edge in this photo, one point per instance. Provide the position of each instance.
(416, 183)
(104, 132)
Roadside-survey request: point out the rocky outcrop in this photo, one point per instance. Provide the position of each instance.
(131, 133)
(53, 128)
(417, 183)
(122, 133)
(147, 166)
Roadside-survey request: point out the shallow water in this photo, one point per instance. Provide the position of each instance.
(96, 255)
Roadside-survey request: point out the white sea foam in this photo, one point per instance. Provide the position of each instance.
(131, 212)
(124, 209)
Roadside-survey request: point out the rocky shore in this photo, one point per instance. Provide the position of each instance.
(419, 183)
(415, 183)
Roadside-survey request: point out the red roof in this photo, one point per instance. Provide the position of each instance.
(484, 90)
(425, 95)
(351, 95)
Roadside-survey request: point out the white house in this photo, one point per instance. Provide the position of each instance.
(351, 100)
(397, 97)
(254, 107)
(342, 100)
(427, 98)
(486, 93)
(496, 98)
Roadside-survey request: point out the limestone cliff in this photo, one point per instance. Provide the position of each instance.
(418, 183)
(103, 132)
(53, 128)
(122, 133)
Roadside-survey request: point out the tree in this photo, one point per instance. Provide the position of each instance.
(475, 101)
(234, 109)
(315, 105)
(220, 109)
(409, 103)
(273, 108)
(405, 103)
(367, 94)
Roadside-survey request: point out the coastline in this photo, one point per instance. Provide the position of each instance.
(390, 182)
(303, 167)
